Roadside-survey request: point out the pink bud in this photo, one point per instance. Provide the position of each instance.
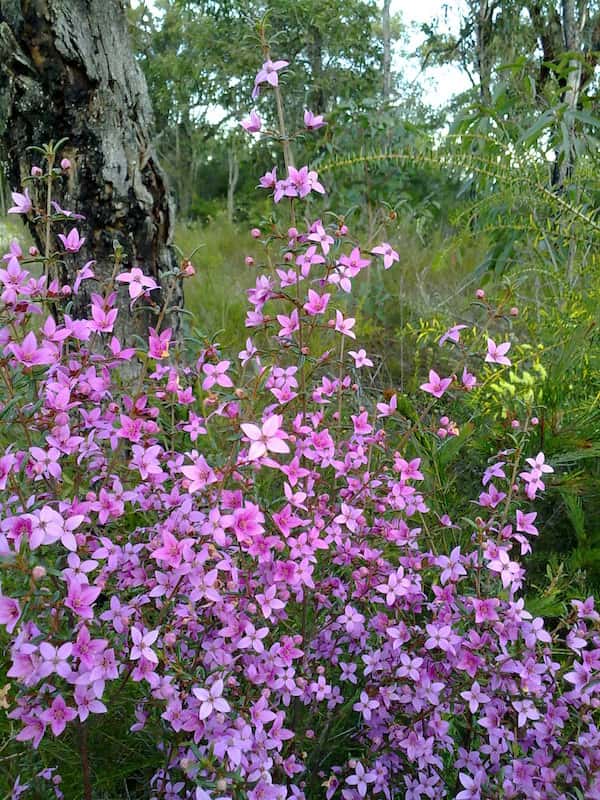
(292, 233)
(249, 261)
(38, 572)
(36, 172)
(515, 423)
(343, 230)
(255, 233)
(444, 421)
(514, 312)
(65, 164)
(66, 291)
(309, 733)
(535, 421)
(442, 433)
(288, 257)
(170, 638)
(480, 294)
(33, 251)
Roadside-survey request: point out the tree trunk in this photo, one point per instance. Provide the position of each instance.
(315, 47)
(232, 181)
(67, 70)
(484, 32)
(573, 36)
(387, 52)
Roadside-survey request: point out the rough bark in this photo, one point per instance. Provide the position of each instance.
(67, 70)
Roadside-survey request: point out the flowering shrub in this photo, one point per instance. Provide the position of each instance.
(247, 555)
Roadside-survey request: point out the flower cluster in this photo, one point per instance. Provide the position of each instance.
(250, 555)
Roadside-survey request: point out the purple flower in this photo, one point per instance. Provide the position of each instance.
(22, 203)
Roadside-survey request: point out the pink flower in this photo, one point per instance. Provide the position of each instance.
(72, 241)
(212, 699)
(289, 325)
(30, 354)
(253, 124)
(317, 303)
(85, 273)
(321, 237)
(158, 343)
(10, 612)
(475, 697)
(389, 254)
(525, 522)
(496, 353)
(268, 73)
(58, 715)
(360, 358)
(269, 437)
(80, 598)
(199, 474)
(436, 385)
(452, 334)
(22, 203)
(313, 121)
(138, 282)
(344, 326)
(216, 374)
(468, 380)
(387, 409)
(142, 645)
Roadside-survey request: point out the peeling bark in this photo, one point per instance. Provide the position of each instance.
(67, 70)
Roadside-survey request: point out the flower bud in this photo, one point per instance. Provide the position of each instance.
(480, 294)
(33, 251)
(249, 261)
(255, 233)
(38, 572)
(66, 290)
(514, 312)
(343, 230)
(535, 421)
(292, 233)
(36, 172)
(288, 257)
(515, 423)
(65, 164)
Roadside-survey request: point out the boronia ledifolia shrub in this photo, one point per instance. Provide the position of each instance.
(244, 554)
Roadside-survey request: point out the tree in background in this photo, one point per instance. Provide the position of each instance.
(67, 70)
(193, 53)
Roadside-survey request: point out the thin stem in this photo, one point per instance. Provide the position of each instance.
(285, 140)
(50, 158)
(85, 762)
